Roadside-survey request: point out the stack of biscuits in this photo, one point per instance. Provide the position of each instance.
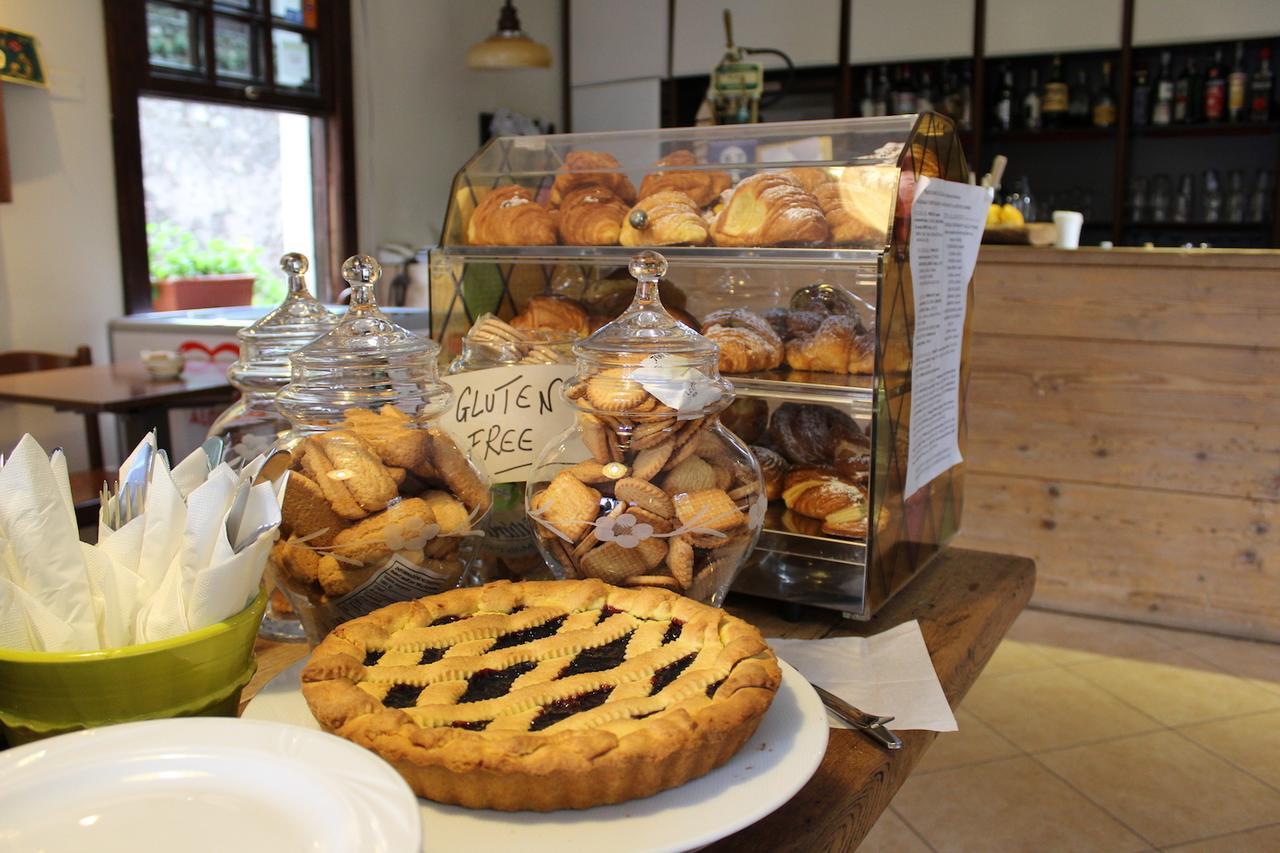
(377, 486)
(660, 500)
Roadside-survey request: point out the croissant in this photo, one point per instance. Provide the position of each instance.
(769, 209)
(859, 206)
(591, 216)
(820, 494)
(747, 342)
(836, 346)
(553, 313)
(809, 177)
(667, 218)
(591, 168)
(508, 216)
(702, 187)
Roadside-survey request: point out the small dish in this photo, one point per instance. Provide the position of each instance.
(163, 364)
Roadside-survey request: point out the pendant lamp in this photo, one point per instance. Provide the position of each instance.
(509, 47)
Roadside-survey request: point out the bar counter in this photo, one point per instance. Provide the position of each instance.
(1124, 431)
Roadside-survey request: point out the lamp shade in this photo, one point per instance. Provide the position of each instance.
(501, 50)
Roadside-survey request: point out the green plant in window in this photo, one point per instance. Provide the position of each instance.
(174, 252)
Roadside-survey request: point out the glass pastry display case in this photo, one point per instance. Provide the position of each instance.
(788, 245)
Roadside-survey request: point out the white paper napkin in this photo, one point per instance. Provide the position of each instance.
(888, 673)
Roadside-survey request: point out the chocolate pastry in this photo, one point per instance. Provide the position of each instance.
(808, 434)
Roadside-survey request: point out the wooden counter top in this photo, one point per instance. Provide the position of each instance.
(1129, 256)
(965, 601)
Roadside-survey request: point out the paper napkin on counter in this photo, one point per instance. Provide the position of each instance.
(888, 673)
(174, 568)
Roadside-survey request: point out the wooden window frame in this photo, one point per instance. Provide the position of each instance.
(333, 175)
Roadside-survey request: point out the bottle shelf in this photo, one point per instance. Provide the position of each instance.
(1066, 134)
(1197, 226)
(1197, 131)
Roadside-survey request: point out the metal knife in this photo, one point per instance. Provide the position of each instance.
(870, 724)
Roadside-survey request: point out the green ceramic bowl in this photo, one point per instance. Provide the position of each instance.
(196, 674)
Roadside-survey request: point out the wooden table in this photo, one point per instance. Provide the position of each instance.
(125, 389)
(965, 601)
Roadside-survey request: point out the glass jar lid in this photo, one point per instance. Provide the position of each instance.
(265, 346)
(647, 346)
(365, 361)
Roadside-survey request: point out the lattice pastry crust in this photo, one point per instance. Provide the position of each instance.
(544, 695)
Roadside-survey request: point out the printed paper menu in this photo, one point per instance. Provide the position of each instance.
(947, 219)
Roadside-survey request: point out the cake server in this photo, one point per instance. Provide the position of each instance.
(870, 724)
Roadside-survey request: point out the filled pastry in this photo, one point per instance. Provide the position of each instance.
(838, 345)
(669, 218)
(591, 169)
(859, 206)
(591, 216)
(702, 187)
(509, 216)
(747, 342)
(770, 209)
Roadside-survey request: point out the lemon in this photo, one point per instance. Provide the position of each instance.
(993, 215)
(1010, 215)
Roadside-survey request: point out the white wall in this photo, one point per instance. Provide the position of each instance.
(59, 257)
(1167, 21)
(417, 104)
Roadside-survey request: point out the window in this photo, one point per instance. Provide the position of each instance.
(232, 124)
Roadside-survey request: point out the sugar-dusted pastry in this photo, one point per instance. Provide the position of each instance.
(859, 206)
(553, 313)
(770, 209)
(668, 218)
(809, 177)
(836, 346)
(820, 493)
(591, 216)
(747, 342)
(591, 168)
(509, 216)
(703, 186)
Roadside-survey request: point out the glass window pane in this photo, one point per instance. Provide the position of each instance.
(293, 59)
(300, 12)
(237, 4)
(172, 38)
(228, 189)
(233, 47)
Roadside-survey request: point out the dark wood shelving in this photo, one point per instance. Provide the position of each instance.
(1066, 134)
(1195, 131)
(1197, 226)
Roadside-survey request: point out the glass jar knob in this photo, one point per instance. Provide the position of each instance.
(648, 266)
(361, 272)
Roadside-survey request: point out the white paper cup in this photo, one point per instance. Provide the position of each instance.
(1068, 223)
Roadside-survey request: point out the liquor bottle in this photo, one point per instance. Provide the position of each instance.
(1053, 106)
(1031, 102)
(884, 93)
(1237, 86)
(1195, 94)
(966, 99)
(1162, 109)
(1260, 88)
(904, 92)
(924, 96)
(1182, 93)
(1140, 109)
(867, 107)
(1215, 90)
(1104, 105)
(1078, 107)
(950, 93)
(1002, 112)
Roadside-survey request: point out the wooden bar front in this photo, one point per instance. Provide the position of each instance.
(1124, 431)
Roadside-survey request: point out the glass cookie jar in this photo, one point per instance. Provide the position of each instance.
(648, 488)
(252, 424)
(380, 505)
(508, 551)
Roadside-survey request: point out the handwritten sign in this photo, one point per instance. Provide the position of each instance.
(505, 415)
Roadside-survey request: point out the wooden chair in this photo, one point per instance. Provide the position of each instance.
(85, 485)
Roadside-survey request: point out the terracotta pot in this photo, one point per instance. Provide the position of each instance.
(202, 291)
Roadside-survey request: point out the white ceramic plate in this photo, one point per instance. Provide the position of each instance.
(778, 760)
(203, 784)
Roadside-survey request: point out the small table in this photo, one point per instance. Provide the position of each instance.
(965, 601)
(125, 389)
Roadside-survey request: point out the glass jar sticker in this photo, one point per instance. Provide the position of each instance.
(685, 389)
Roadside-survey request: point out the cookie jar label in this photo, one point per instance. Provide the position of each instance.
(504, 415)
(398, 580)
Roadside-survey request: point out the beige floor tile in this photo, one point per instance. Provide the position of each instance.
(1165, 787)
(1051, 709)
(973, 743)
(1251, 743)
(1177, 688)
(891, 835)
(1258, 661)
(1262, 840)
(1011, 805)
(1012, 656)
(1064, 638)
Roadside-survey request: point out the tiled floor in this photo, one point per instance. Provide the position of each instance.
(1091, 735)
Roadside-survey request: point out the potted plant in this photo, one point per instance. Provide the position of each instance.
(186, 274)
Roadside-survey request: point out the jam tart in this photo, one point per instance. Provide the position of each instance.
(544, 695)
